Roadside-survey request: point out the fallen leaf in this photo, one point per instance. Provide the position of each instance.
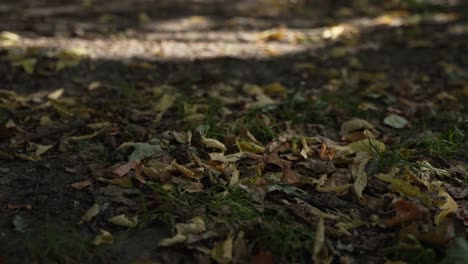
(407, 212)
(90, 214)
(245, 146)
(275, 89)
(124, 169)
(354, 125)
(448, 206)
(163, 104)
(19, 224)
(104, 237)
(195, 226)
(366, 145)
(81, 185)
(396, 121)
(141, 150)
(9, 36)
(319, 240)
(55, 94)
(222, 251)
(359, 174)
(123, 220)
(213, 143)
(262, 257)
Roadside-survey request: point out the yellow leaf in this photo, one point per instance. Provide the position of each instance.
(367, 145)
(90, 214)
(354, 125)
(123, 220)
(245, 146)
(104, 237)
(9, 36)
(55, 94)
(163, 104)
(403, 187)
(222, 251)
(275, 89)
(73, 54)
(447, 207)
(213, 143)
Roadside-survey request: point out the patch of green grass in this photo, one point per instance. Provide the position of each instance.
(445, 144)
(231, 205)
(391, 157)
(284, 237)
(271, 229)
(261, 122)
(53, 244)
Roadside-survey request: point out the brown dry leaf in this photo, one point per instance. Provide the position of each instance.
(407, 212)
(438, 236)
(81, 185)
(138, 172)
(125, 168)
(18, 206)
(326, 153)
(185, 171)
(262, 257)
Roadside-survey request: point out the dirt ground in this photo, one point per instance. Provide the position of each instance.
(342, 51)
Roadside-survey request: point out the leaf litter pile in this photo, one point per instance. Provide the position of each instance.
(240, 172)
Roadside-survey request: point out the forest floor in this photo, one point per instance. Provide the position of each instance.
(265, 131)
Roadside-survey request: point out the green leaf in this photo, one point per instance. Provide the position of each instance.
(141, 150)
(396, 121)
